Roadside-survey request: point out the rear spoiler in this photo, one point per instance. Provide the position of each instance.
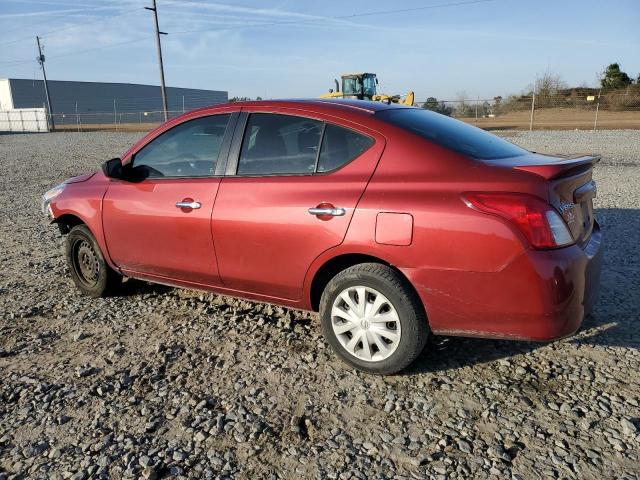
(552, 169)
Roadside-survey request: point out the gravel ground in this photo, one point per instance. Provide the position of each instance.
(167, 382)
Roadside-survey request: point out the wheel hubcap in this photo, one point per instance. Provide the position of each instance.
(365, 323)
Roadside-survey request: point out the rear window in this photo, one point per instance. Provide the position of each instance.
(452, 134)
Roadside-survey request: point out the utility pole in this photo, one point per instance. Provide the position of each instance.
(46, 87)
(154, 9)
(533, 108)
(595, 122)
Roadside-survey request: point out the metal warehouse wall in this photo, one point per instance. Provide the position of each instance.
(98, 97)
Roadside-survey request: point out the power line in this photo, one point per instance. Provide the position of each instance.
(414, 9)
(37, 23)
(54, 31)
(15, 63)
(338, 17)
(54, 12)
(78, 52)
(292, 22)
(57, 4)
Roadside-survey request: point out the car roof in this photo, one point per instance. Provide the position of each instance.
(344, 104)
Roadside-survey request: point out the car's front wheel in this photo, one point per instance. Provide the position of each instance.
(89, 271)
(373, 319)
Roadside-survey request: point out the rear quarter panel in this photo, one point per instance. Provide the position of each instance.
(450, 240)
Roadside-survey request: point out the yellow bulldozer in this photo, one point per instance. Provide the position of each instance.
(364, 86)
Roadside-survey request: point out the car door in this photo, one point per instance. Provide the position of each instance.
(157, 220)
(292, 186)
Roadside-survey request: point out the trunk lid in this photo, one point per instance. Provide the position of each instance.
(571, 186)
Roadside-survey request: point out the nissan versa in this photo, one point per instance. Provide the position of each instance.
(393, 222)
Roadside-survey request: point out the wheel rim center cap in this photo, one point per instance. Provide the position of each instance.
(364, 323)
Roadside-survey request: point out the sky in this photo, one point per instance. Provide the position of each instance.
(291, 49)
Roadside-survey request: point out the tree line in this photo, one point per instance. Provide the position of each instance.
(547, 87)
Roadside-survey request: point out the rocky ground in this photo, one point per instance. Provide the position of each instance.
(159, 382)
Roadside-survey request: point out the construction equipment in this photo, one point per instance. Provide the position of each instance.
(363, 86)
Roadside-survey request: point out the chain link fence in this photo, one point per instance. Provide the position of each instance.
(545, 112)
(534, 112)
(122, 114)
(115, 121)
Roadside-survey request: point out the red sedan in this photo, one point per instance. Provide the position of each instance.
(393, 222)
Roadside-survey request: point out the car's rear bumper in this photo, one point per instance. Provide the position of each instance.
(541, 295)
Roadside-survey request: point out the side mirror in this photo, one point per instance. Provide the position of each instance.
(112, 168)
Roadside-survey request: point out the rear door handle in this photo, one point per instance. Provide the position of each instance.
(333, 212)
(188, 204)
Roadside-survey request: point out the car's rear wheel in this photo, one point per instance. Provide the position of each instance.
(373, 319)
(89, 271)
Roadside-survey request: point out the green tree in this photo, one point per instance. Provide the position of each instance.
(434, 105)
(614, 78)
(431, 103)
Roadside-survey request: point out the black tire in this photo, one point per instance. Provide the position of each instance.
(390, 283)
(89, 271)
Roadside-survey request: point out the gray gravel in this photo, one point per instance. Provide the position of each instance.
(167, 382)
(621, 147)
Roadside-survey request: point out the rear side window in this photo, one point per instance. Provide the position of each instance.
(284, 144)
(452, 134)
(279, 144)
(189, 149)
(340, 146)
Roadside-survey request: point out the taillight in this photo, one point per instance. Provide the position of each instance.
(538, 221)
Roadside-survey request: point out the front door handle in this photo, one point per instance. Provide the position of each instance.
(188, 204)
(327, 211)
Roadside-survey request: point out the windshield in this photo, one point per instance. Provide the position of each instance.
(351, 86)
(452, 134)
(369, 86)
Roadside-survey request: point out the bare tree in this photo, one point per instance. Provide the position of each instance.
(547, 84)
(462, 106)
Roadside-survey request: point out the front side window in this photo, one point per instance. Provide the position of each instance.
(189, 149)
(279, 144)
